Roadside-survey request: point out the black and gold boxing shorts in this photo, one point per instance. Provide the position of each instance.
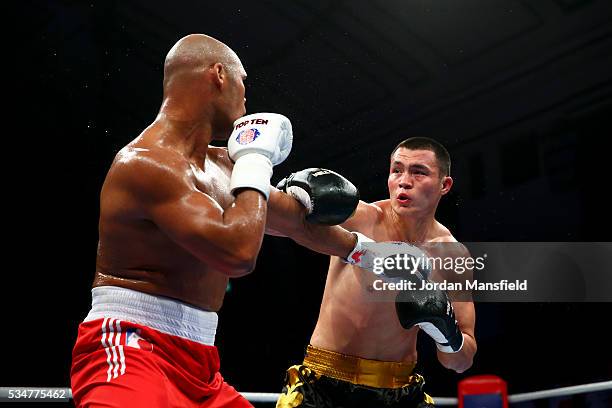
(330, 379)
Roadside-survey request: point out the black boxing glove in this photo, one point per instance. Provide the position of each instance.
(329, 198)
(431, 311)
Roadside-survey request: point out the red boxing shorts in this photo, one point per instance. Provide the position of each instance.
(139, 350)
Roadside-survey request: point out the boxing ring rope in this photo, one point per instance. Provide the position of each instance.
(561, 392)
(527, 396)
(272, 397)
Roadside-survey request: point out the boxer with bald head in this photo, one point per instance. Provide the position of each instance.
(362, 352)
(178, 217)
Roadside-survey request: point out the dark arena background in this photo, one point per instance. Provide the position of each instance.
(520, 92)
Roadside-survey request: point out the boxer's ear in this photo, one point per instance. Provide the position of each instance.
(218, 74)
(447, 183)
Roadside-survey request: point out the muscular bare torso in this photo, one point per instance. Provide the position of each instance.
(357, 321)
(134, 253)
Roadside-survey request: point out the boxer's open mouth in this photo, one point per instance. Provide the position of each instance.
(404, 199)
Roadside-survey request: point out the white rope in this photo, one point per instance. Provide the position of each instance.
(528, 396)
(272, 397)
(445, 401)
(46, 394)
(561, 392)
(260, 396)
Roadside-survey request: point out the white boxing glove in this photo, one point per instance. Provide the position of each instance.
(258, 142)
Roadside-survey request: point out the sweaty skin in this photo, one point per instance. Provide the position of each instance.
(168, 223)
(352, 321)
(133, 251)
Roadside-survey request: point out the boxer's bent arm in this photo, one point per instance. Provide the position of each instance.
(463, 359)
(227, 241)
(465, 313)
(286, 217)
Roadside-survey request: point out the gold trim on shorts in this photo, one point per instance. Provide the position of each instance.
(356, 370)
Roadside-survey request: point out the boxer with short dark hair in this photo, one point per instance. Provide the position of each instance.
(178, 217)
(362, 352)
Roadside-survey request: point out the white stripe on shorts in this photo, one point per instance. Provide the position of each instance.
(106, 348)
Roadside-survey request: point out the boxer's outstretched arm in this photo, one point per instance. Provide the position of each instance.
(364, 219)
(228, 241)
(286, 217)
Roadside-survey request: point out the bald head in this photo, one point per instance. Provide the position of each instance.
(196, 52)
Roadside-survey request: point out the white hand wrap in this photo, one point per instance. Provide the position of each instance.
(360, 256)
(252, 171)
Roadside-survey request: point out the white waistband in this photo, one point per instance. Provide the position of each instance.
(163, 314)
